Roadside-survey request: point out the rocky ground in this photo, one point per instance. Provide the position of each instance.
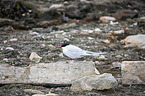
(24, 32)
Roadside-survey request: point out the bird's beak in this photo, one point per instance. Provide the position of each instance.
(59, 47)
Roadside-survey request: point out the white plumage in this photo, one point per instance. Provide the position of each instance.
(75, 52)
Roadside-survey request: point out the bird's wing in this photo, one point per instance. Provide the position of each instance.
(74, 51)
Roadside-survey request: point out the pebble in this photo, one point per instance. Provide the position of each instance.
(35, 57)
(107, 19)
(9, 48)
(14, 39)
(119, 32)
(98, 30)
(33, 91)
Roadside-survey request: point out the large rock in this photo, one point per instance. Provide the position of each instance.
(133, 72)
(55, 73)
(135, 40)
(99, 82)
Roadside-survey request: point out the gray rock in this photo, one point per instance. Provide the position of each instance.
(135, 40)
(99, 82)
(61, 72)
(133, 72)
(107, 19)
(35, 57)
(97, 2)
(55, 73)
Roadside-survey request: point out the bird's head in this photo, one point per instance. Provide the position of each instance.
(63, 45)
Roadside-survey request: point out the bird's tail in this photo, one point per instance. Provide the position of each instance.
(88, 53)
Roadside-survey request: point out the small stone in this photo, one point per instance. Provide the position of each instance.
(35, 57)
(33, 33)
(90, 38)
(106, 41)
(101, 57)
(107, 19)
(96, 71)
(38, 95)
(5, 41)
(9, 48)
(52, 94)
(119, 32)
(56, 6)
(33, 91)
(113, 23)
(5, 59)
(98, 30)
(66, 40)
(51, 47)
(14, 39)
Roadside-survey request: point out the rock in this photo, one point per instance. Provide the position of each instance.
(39, 95)
(51, 47)
(107, 19)
(118, 32)
(70, 25)
(35, 57)
(133, 72)
(98, 82)
(98, 30)
(64, 72)
(56, 6)
(135, 40)
(52, 94)
(61, 72)
(9, 48)
(33, 91)
(14, 39)
(106, 41)
(98, 2)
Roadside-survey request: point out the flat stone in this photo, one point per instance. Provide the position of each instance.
(64, 72)
(35, 57)
(107, 19)
(133, 72)
(135, 40)
(98, 82)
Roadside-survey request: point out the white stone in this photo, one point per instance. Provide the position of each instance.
(135, 40)
(113, 23)
(119, 32)
(39, 95)
(98, 30)
(9, 48)
(52, 94)
(133, 72)
(14, 39)
(98, 82)
(107, 19)
(33, 33)
(56, 6)
(35, 57)
(62, 72)
(33, 91)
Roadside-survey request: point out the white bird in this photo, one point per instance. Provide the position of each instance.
(75, 52)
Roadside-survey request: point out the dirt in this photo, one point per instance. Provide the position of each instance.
(54, 36)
